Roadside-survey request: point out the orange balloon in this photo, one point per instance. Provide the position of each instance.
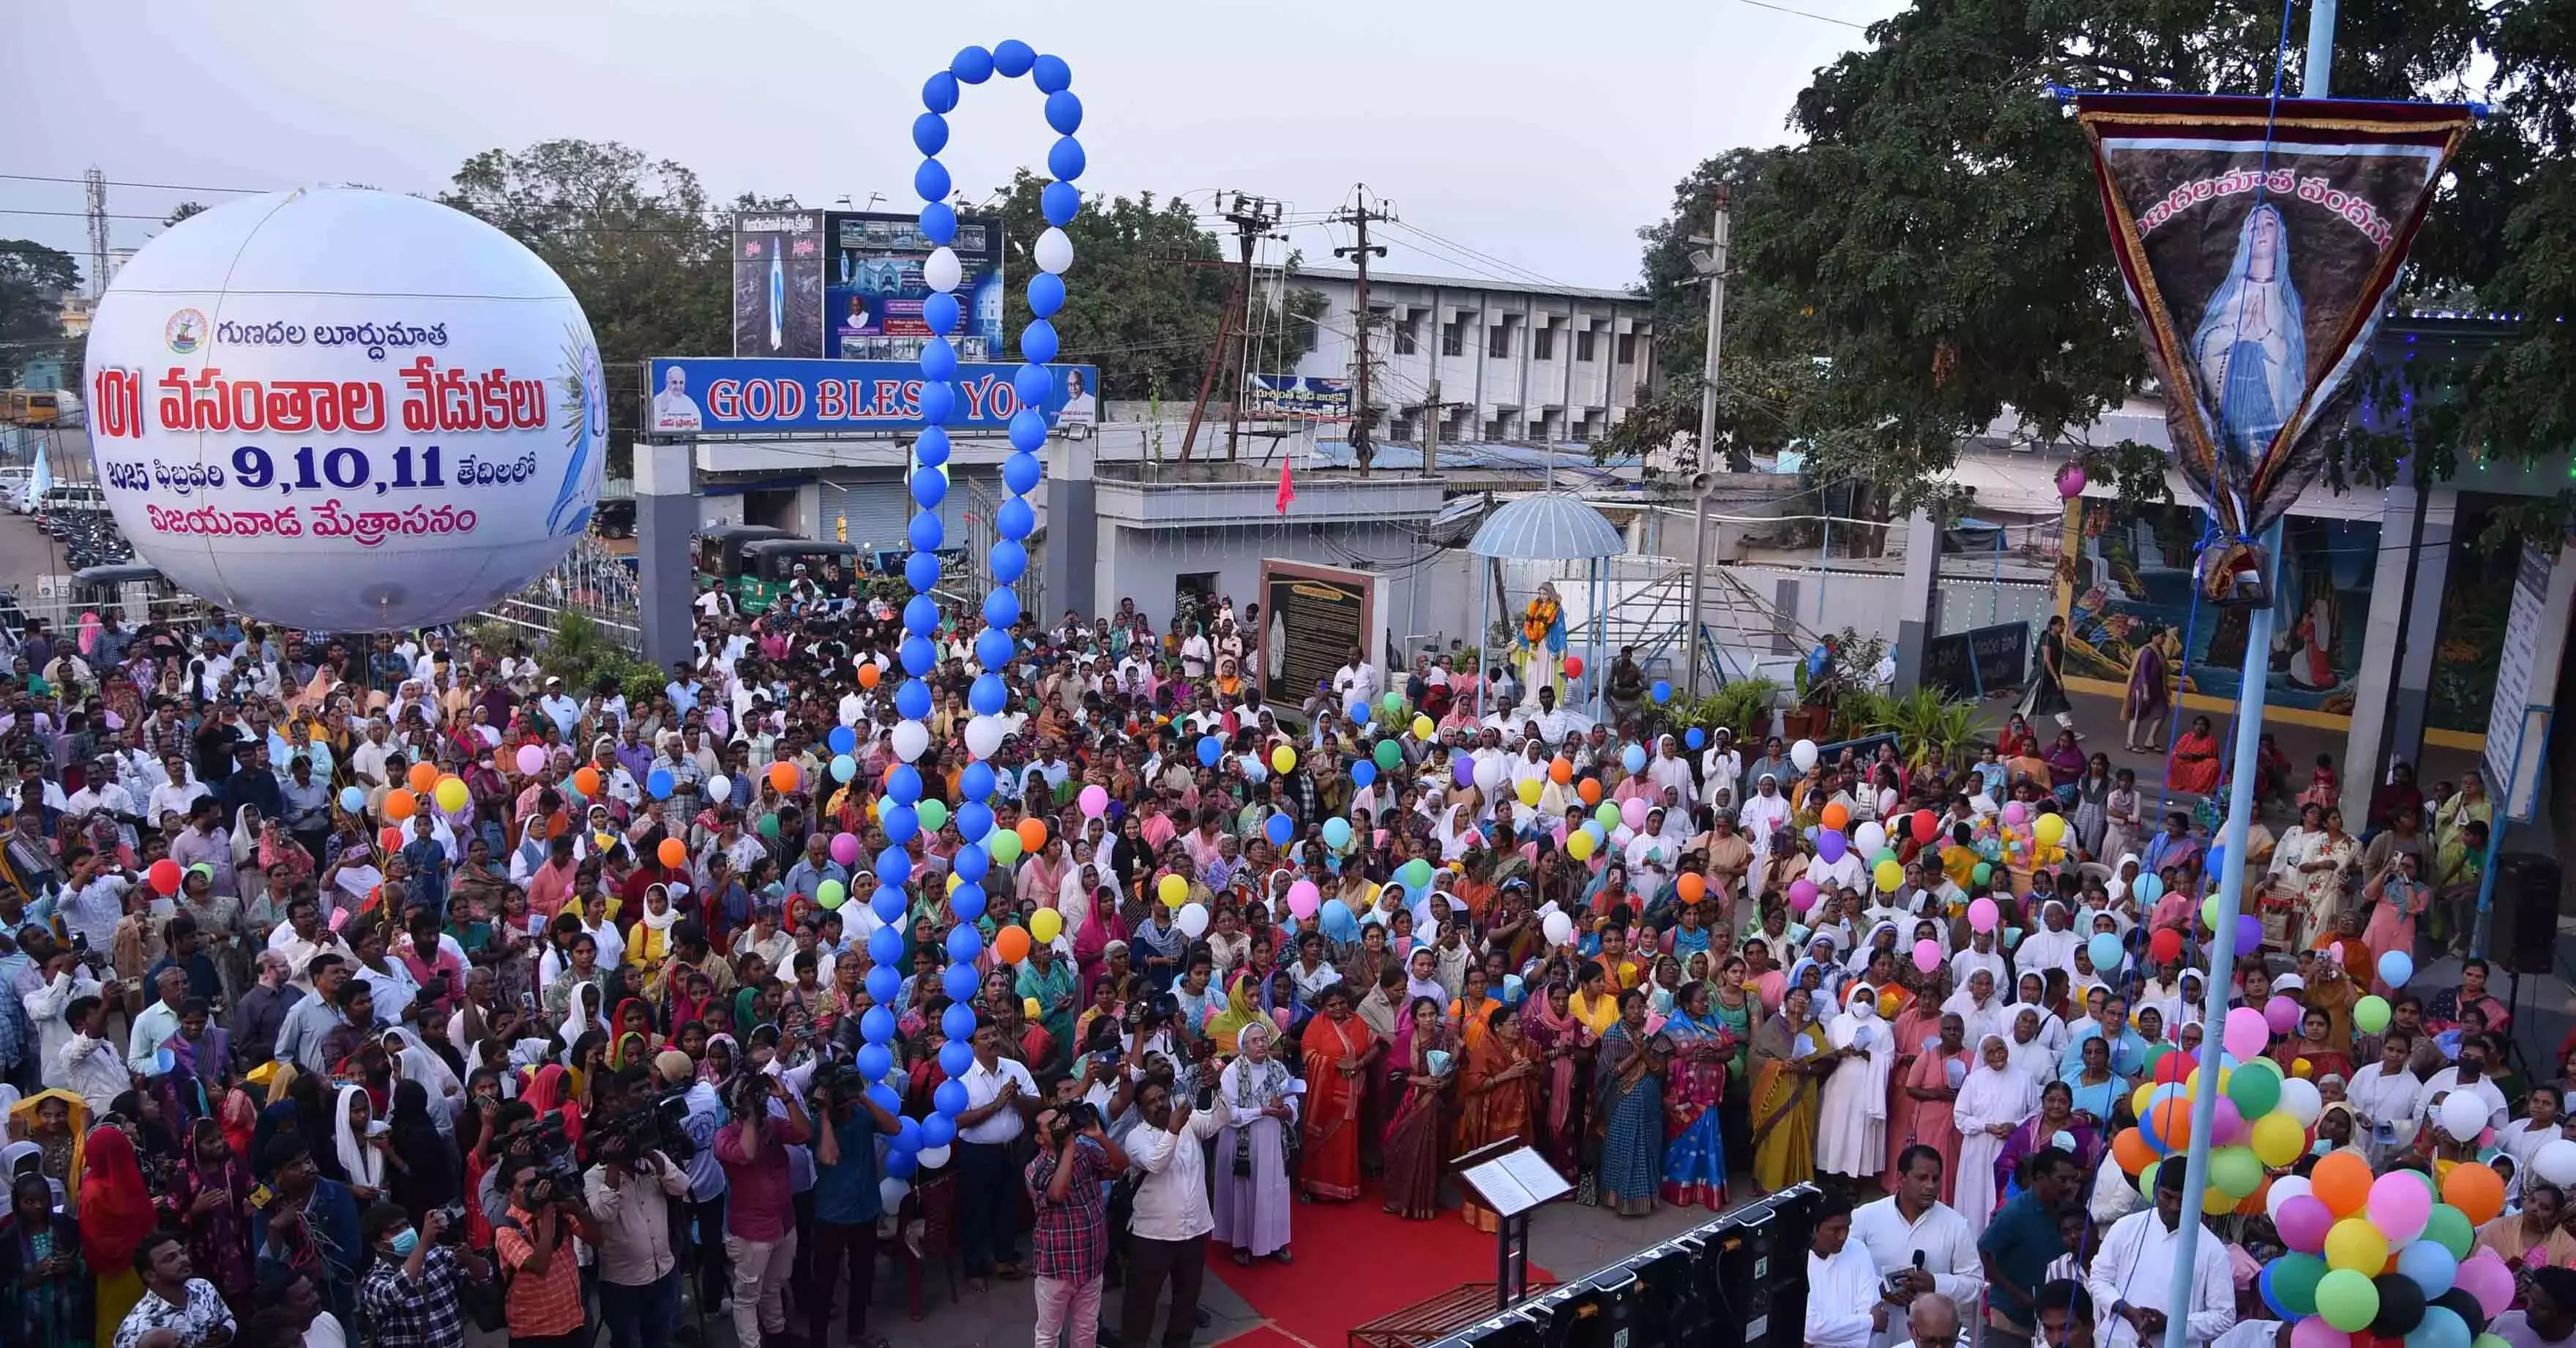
(2260, 1201)
(1590, 790)
(1690, 887)
(2475, 1189)
(400, 804)
(586, 780)
(2342, 1182)
(673, 852)
(1560, 772)
(1033, 834)
(2132, 1150)
(2171, 1119)
(1835, 817)
(390, 840)
(868, 676)
(1012, 945)
(783, 776)
(423, 777)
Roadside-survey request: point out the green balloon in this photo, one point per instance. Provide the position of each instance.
(769, 826)
(830, 893)
(1393, 702)
(1416, 875)
(2234, 1169)
(2256, 1093)
(2450, 1229)
(2347, 1299)
(2370, 1014)
(2294, 1282)
(1004, 844)
(2156, 1055)
(1884, 854)
(1608, 815)
(1983, 873)
(1389, 755)
(932, 814)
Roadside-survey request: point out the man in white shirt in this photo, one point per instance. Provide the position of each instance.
(368, 759)
(1167, 1236)
(66, 980)
(564, 711)
(1355, 681)
(101, 791)
(1914, 1220)
(2548, 1315)
(158, 1024)
(1000, 1094)
(1846, 1305)
(2132, 1276)
(176, 793)
(89, 1064)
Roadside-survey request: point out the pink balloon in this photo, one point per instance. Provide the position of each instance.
(2400, 1205)
(1633, 812)
(1094, 801)
(1927, 955)
(2303, 1223)
(1982, 915)
(1304, 899)
(1802, 894)
(2015, 812)
(2282, 1014)
(1279, 1015)
(2314, 1332)
(2487, 1279)
(2247, 1033)
(845, 848)
(531, 758)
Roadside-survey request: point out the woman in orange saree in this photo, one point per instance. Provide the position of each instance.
(1499, 1097)
(1339, 1047)
(1786, 1051)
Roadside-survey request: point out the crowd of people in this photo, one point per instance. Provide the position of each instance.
(364, 988)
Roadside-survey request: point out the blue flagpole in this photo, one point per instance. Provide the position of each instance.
(2251, 690)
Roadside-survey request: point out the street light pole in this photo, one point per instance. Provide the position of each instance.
(1710, 264)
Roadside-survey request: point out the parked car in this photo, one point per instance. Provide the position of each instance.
(13, 487)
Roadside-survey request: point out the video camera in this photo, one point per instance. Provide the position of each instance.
(546, 1147)
(661, 1126)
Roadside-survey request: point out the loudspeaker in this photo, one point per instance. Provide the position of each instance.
(2524, 935)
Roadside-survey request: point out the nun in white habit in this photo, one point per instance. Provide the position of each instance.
(2053, 945)
(1994, 1100)
(1851, 1125)
(1979, 1009)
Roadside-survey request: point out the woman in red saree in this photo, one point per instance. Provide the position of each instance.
(1499, 1096)
(1413, 1131)
(1564, 1046)
(2192, 768)
(1339, 1048)
(1917, 1028)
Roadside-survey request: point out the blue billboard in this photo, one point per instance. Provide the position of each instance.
(872, 286)
(721, 396)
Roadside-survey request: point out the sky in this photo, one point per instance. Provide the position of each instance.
(1538, 134)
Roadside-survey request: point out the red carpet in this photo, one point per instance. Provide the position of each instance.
(1345, 1252)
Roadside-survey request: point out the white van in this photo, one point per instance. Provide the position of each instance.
(13, 486)
(71, 500)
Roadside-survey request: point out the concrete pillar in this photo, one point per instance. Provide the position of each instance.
(1072, 529)
(2374, 694)
(2414, 695)
(666, 515)
(1919, 605)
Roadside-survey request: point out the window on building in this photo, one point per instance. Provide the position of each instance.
(1498, 342)
(1400, 429)
(1407, 337)
(1627, 348)
(1453, 339)
(1583, 345)
(1543, 342)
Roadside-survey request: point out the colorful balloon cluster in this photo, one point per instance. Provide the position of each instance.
(2372, 1257)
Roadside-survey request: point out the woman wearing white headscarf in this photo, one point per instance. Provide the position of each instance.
(1457, 824)
(1851, 1124)
(415, 1062)
(2031, 1053)
(582, 1015)
(360, 1158)
(1982, 1013)
(1992, 1102)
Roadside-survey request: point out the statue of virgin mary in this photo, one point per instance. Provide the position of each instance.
(2251, 347)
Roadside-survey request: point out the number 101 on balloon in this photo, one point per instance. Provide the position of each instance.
(347, 468)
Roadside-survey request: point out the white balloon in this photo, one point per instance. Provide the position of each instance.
(1054, 251)
(345, 409)
(1802, 755)
(2556, 1161)
(941, 270)
(718, 788)
(984, 735)
(911, 740)
(2288, 1187)
(891, 1191)
(2299, 1097)
(1492, 775)
(2464, 1115)
(933, 1157)
(1869, 837)
(1192, 921)
(1559, 929)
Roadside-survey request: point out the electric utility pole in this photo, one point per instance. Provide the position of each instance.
(1709, 263)
(1359, 216)
(1251, 217)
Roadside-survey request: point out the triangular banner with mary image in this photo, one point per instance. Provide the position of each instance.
(2258, 240)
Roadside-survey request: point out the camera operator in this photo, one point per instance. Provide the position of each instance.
(1169, 1230)
(408, 1295)
(1070, 1241)
(706, 1191)
(535, 1243)
(510, 1122)
(846, 1202)
(760, 1221)
(629, 1193)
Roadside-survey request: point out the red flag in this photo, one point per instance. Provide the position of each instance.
(1287, 489)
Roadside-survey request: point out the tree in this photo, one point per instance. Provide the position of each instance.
(33, 281)
(632, 237)
(1139, 304)
(182, 211)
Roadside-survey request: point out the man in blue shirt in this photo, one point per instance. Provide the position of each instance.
(806, 877)
(2021, 1242)
(846, 1201)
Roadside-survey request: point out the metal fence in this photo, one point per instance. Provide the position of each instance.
(592, 581)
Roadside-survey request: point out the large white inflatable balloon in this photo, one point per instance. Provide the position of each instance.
(344, 409)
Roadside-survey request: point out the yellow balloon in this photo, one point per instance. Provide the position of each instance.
(1423, 728)
(1046, 924)
(2355, 1244)
(1029, 1007)
(452, 795)
(1174, 890)
(1528, 791)
(1889, 876)
(2050, 828)
(2301, 1068)
(1283, 758)
(2140, 1098)
(1578, 845)
(2278, 1139)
